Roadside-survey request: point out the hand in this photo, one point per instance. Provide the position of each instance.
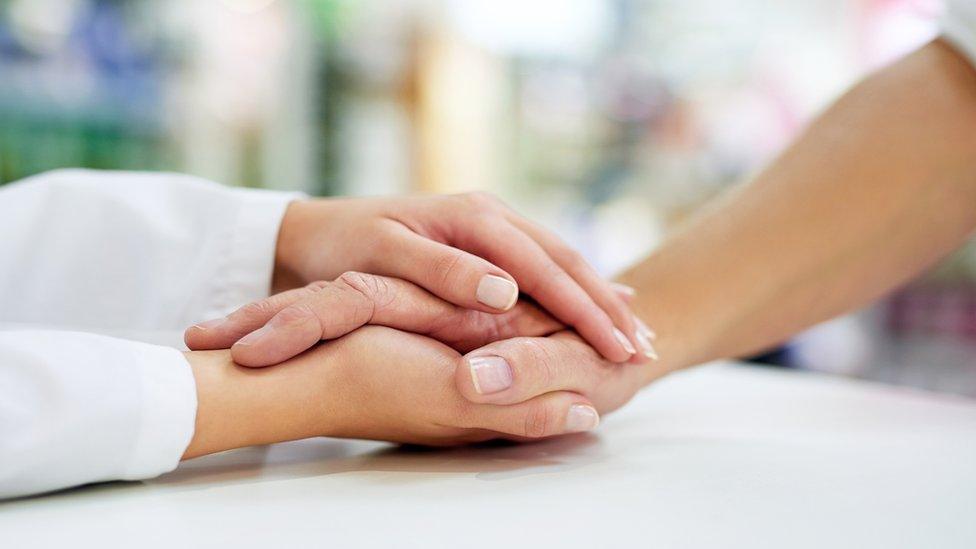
(375, 383)
(514, 370)
(280, 327)
(469, 250)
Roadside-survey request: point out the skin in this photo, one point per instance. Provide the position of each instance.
(385, 384)
(877, 189)
(375, 383)
(326, 310)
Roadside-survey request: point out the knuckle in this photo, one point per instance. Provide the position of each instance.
(256, 309)
(538, 421)
(446, 269)
(371, 292)
(366, 284)
(317, 285)
(481, 200)
(554, 271)
(570, 257)
(477, 197)
(546, 273)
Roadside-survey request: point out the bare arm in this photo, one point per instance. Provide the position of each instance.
(879, 187)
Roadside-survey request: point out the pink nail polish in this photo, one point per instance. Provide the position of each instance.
(210, 324)
(646, 348)
(490, 374)
(581, 418)
(497, 292)
(624, 342)
(624, 289)
(651, 334)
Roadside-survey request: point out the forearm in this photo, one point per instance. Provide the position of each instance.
(238, 406)
(877, 189)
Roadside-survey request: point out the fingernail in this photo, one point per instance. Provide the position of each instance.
(651, 334)
(255, 336)
(624, 342)
(623, 289)
(497, 292)
(210, 324)
(646, 346)
(490, 374)
(581, 418)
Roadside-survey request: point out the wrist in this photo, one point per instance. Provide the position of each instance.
(239, 406)
(212, 431)
(288, 249)
(663, 304)
(303, 228)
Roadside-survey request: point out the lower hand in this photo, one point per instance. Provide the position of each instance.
(375, 383)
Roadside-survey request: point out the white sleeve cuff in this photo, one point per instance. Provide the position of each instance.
(168, 412)
(78, 408)
(245, 272)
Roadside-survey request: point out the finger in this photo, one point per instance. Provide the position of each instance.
(624, 291)
(628, 293)
(519, 369)
(548, 283)
(643, 328)
(465, 330)
(552, 414)
(355, 299)
(221, 333)
(604, 293)
(407, 307)
(452, 274)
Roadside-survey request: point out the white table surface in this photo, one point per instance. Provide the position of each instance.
(720, 456)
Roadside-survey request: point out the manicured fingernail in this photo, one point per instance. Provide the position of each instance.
(624, 342)
(497, 292)
(651, 334)
(490, 374)
(623, 289)
(581, 418)
(645, 345)
(210, 324)
(255, 336)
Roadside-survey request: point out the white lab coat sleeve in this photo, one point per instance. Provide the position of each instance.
(127, 252)
(959, 27)
(114, 252)
(78, 408)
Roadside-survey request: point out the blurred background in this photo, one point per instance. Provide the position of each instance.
(608, 120)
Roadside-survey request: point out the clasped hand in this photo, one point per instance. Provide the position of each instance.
(425, 338)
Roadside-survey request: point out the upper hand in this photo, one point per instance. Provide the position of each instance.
(469, 250)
